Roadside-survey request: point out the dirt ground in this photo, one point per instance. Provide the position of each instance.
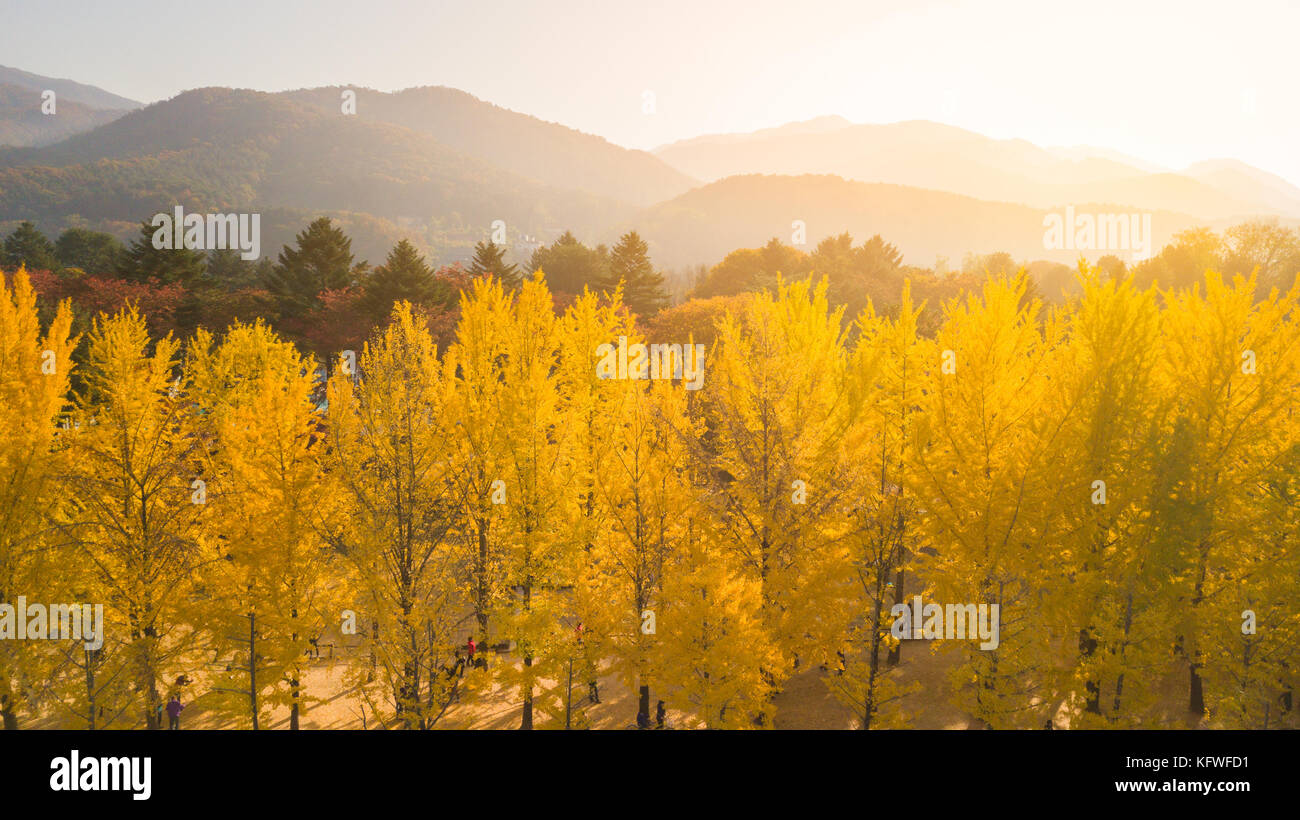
(805, 701)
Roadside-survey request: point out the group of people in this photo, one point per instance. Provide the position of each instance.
(173, 710)
(472, 658)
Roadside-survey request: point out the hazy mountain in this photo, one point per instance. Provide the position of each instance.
(1080, 152)
(817, 125)
(519, 143)
(440, 166)
(22, 122)
(1247, 182)
(703, 225)
(219, 149)
(77, 108)
(87, 95)
(942, 157)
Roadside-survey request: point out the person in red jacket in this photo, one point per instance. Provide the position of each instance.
(470, 646)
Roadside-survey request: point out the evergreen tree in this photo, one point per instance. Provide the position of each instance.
(94, 252)
(142, 262)
(321, 261)
(403, 276)
(229, 270)
(489, 258)
(27, 246)
(629, 264)
(570, 265)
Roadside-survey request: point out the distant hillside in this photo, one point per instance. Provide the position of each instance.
(22, 122)
(219, 149)
(942, 157)
(1246, 181)
(524, 145)
(817, 125)
(1082, 152)
(439, 167)
(703, 225)
(77, 108)
(87, 95)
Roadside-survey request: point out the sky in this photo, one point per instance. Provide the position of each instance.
(1168, 82)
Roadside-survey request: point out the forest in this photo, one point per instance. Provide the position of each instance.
(1114, 468)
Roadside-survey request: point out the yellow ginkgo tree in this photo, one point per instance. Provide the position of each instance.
(136, 502)
(390, 457)
(270, 589)
(35, 366)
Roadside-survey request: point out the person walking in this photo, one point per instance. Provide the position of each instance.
(660, 714)
(470, 646)
(174, 713)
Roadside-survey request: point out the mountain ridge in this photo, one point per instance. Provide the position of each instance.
(746, 211)
(925, 154)
(88, 95)
(442, 166)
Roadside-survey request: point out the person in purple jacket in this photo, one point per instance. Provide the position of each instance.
(174, 713)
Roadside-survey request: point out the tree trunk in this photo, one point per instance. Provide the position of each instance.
(481, 590)
(90, 688)
(896, 651)
(527, 722)
(869, 703)
(1088, 648)
(141, 638)
(1196, 698)
(252, 667)
(1196, 693)
(1119, 680)
(294, 686)
(7, 713)
(153, 704)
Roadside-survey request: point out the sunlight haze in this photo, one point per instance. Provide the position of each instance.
(1168, 83)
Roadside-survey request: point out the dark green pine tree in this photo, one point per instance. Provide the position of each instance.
(142, 262)
(570, 265)
(643, 287)
(95, 252)
(321, 261)
(230, 271)
(404, 275)
(28, 246)
(490, 258)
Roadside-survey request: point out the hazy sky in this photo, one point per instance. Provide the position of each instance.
(1169, 82)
